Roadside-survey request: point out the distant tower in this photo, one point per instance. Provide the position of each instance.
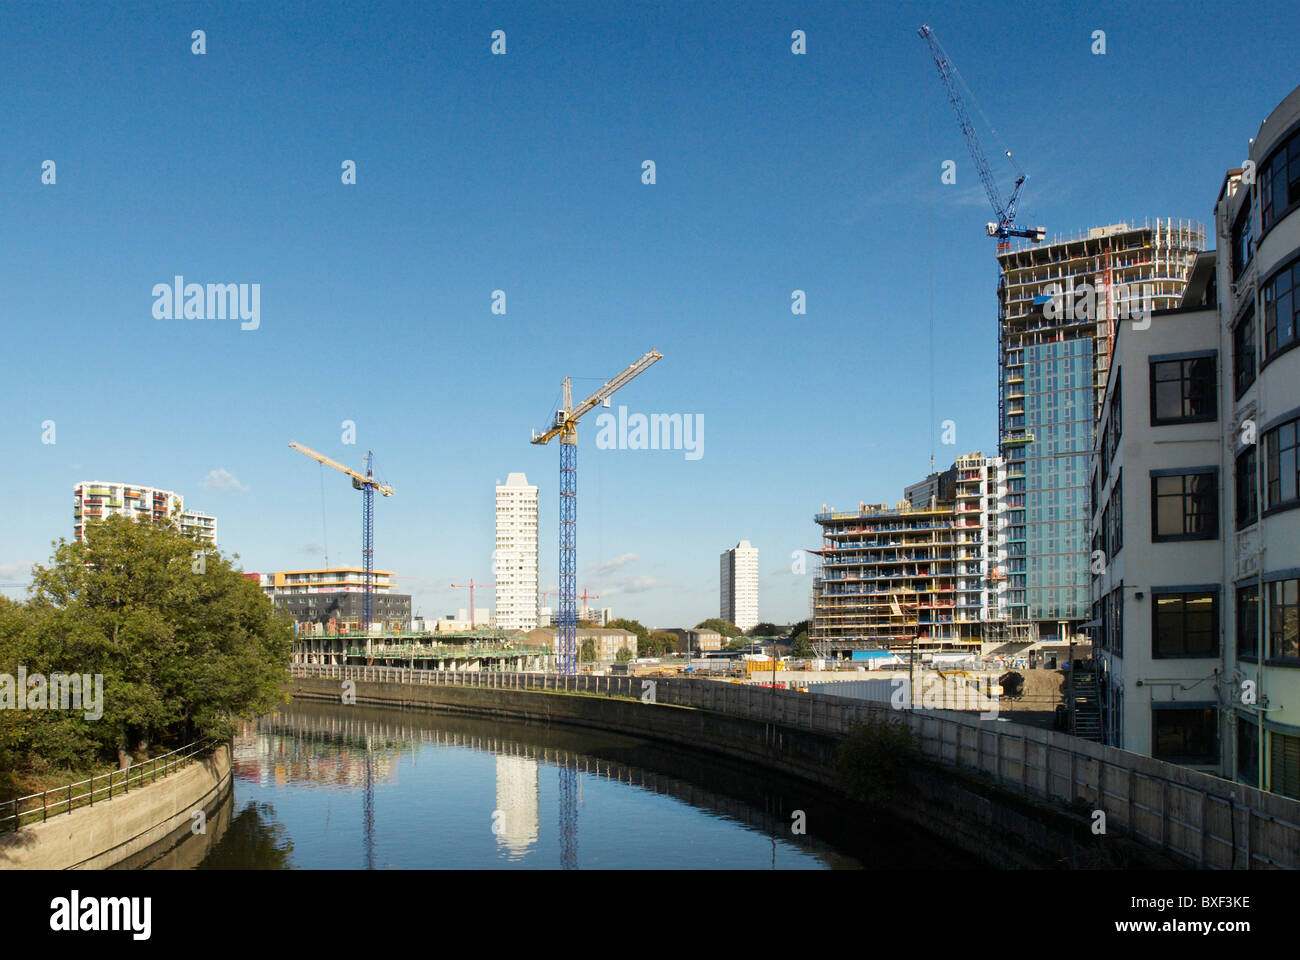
(738, 585)
(515, 559)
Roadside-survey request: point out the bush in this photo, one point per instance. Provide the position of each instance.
(873, 760)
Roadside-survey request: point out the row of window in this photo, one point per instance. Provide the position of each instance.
(1185, 501)
(1185, 623)
(1189, 734)
(1281, 620)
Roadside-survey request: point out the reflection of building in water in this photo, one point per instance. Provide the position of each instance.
(517, 801)
(272, 758)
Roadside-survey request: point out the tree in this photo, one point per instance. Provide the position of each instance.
(623, 655)
(664, 642)
(764, 630)
(588, 652)
(186, 646)
(798, 628)
(800, 647)
(642, 634)
(717, 624)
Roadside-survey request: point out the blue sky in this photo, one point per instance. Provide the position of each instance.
(522, 173)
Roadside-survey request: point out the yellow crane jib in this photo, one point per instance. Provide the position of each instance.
(359, 480)
(567, 417)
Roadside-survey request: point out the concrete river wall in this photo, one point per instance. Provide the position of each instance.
(1013, 795)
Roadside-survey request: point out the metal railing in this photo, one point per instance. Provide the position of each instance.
(64, 799)
(1201, 819)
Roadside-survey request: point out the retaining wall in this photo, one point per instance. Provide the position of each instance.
(112, 832)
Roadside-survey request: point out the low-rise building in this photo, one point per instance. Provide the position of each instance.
(608, 641)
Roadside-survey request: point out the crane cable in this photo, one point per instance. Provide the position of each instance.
(323, 531)
(929, 243)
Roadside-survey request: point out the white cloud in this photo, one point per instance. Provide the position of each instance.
(223, 480)
(610, 566)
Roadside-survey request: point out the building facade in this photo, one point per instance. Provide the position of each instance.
(334, 598)
(96, 500)
(515, 558)
(738, 585)
(1058, 304)
(1197, 506)
(930, 576)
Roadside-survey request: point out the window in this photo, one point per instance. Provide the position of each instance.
(1283, 622)
(1116, 533)
(1243, 238)
(1281, 465)
(1247, 752)
(1185, 624)
(1285, 756)
(1279, 182)
(1248, 622)
(1116, 410)
(1245, 482)
(1184, 506)
(1185, 734)
(1280, 305)
(1183, 390)
(1243, 353)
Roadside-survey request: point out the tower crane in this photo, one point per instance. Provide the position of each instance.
(367, 484)
(1005, 227)
(472, 587)
(566, 428)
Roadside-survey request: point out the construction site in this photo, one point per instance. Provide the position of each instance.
(917, 578)
(1059, 305)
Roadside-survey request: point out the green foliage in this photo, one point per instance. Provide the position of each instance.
(623, 655)
(798, 628)
(724, 627)
(588, 652)
(183, 655)
(764, 630)
(800, 647)
(663, 642)
(873, 759)
(642, 634)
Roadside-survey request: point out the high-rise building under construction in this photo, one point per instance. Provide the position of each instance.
(1058, 304)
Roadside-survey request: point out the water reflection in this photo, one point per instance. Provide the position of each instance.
(332, 786)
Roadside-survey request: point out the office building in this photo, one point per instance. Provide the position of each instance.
(96, 500)
(515, 558)
(738, 585)
(1197, 505)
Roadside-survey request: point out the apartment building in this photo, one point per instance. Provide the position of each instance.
(929, 576)
(95, 500)
(1196, 514)
(738, 585)
(515, 558)
(1053, 367)
(337, 595)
